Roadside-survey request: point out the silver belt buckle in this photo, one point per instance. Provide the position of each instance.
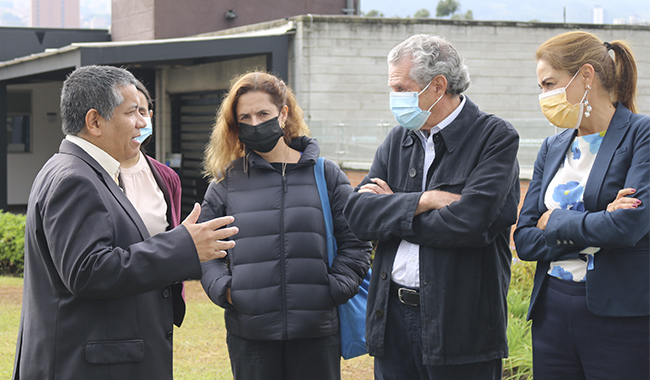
(402, 291)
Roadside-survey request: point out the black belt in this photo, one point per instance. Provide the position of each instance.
(407, 296)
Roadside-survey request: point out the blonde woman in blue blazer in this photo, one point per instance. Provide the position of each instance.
(585, 219)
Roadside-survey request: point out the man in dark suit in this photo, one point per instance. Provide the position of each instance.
(96, 301)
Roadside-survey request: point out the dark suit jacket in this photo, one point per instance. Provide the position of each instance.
(619, 284)
(96, 298)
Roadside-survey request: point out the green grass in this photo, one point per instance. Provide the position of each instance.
(200, 351)
(10, 301)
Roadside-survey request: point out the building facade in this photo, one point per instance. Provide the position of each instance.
(336, 65)
(55, 13)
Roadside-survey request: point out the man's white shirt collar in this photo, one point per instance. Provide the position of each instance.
(105, 160)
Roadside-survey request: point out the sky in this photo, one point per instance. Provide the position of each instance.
(577, 11)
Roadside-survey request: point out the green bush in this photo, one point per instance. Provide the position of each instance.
(519, 364)
(12, 243)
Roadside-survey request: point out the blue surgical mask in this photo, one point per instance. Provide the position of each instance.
(146, 131)
(406, 109)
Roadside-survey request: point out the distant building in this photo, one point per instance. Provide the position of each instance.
(55, 13)
(630, 20)
(599, 15)
(159, 19)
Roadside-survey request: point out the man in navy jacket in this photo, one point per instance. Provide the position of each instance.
(440, 198)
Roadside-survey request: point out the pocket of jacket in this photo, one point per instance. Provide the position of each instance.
(116, 351)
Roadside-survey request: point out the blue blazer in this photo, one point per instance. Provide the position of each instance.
(619, 284)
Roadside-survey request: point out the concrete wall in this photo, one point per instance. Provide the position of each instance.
(339, 73)
(46, 137)
(132, 20)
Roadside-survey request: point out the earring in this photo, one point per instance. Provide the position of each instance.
(282, 125)
(588, 107)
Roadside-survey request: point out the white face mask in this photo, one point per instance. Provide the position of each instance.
(559, 111)
(406, 109)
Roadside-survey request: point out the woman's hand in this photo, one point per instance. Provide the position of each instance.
(541, 223)
(228, 298)
(622, 200)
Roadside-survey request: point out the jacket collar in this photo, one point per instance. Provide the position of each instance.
(617, 129)
(560, 144)
(308, 146)
(453, 133)
(71, 148)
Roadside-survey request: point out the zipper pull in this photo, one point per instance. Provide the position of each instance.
(284, 183)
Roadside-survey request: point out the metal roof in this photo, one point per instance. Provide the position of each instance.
(54, 64)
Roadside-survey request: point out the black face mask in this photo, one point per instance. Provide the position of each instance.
(261, 137)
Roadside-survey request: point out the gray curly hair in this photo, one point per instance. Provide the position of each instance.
(432, 56)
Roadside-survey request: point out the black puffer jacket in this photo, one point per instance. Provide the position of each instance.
(281, 284)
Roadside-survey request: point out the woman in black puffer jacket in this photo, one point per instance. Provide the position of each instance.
(278, 290)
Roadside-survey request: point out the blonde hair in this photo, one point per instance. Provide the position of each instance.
(224, 146)
(570, 51)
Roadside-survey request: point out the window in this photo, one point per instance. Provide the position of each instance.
(19, 121)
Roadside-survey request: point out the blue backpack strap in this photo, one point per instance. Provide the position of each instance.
(321, 184)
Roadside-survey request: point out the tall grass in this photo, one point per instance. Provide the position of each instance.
(519, 365)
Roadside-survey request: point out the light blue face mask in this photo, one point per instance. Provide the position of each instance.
(146, 131)
(406, 109)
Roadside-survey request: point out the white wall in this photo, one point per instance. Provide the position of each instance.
(46, 137)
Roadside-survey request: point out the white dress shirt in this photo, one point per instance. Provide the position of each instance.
(406, 267)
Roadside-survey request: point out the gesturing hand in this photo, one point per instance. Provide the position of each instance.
(208, 236)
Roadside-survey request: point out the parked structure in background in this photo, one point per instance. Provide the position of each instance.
(335, 64)
(55, 13)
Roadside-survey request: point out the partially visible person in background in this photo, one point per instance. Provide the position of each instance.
(276, 286)
(154, 189)
(585, 219)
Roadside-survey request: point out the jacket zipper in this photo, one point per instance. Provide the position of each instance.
(285, 334)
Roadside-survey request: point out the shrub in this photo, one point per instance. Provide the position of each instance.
(519, 364)
(12, 243)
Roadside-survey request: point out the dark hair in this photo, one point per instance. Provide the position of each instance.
(141, 87)
(92, 87)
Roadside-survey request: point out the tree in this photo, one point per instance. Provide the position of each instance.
(469, 15)
(447, 7)
(422, 13)
(373, 13)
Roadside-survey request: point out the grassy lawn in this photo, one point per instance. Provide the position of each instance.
(200, 350)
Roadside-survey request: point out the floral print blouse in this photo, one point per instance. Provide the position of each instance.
(566, 192)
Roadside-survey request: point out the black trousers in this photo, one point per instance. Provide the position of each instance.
(571, 343)
(402, 359)
(298, 359)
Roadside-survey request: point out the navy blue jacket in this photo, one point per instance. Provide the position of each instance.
(464, 247)
(281, 284)
(619, 283)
